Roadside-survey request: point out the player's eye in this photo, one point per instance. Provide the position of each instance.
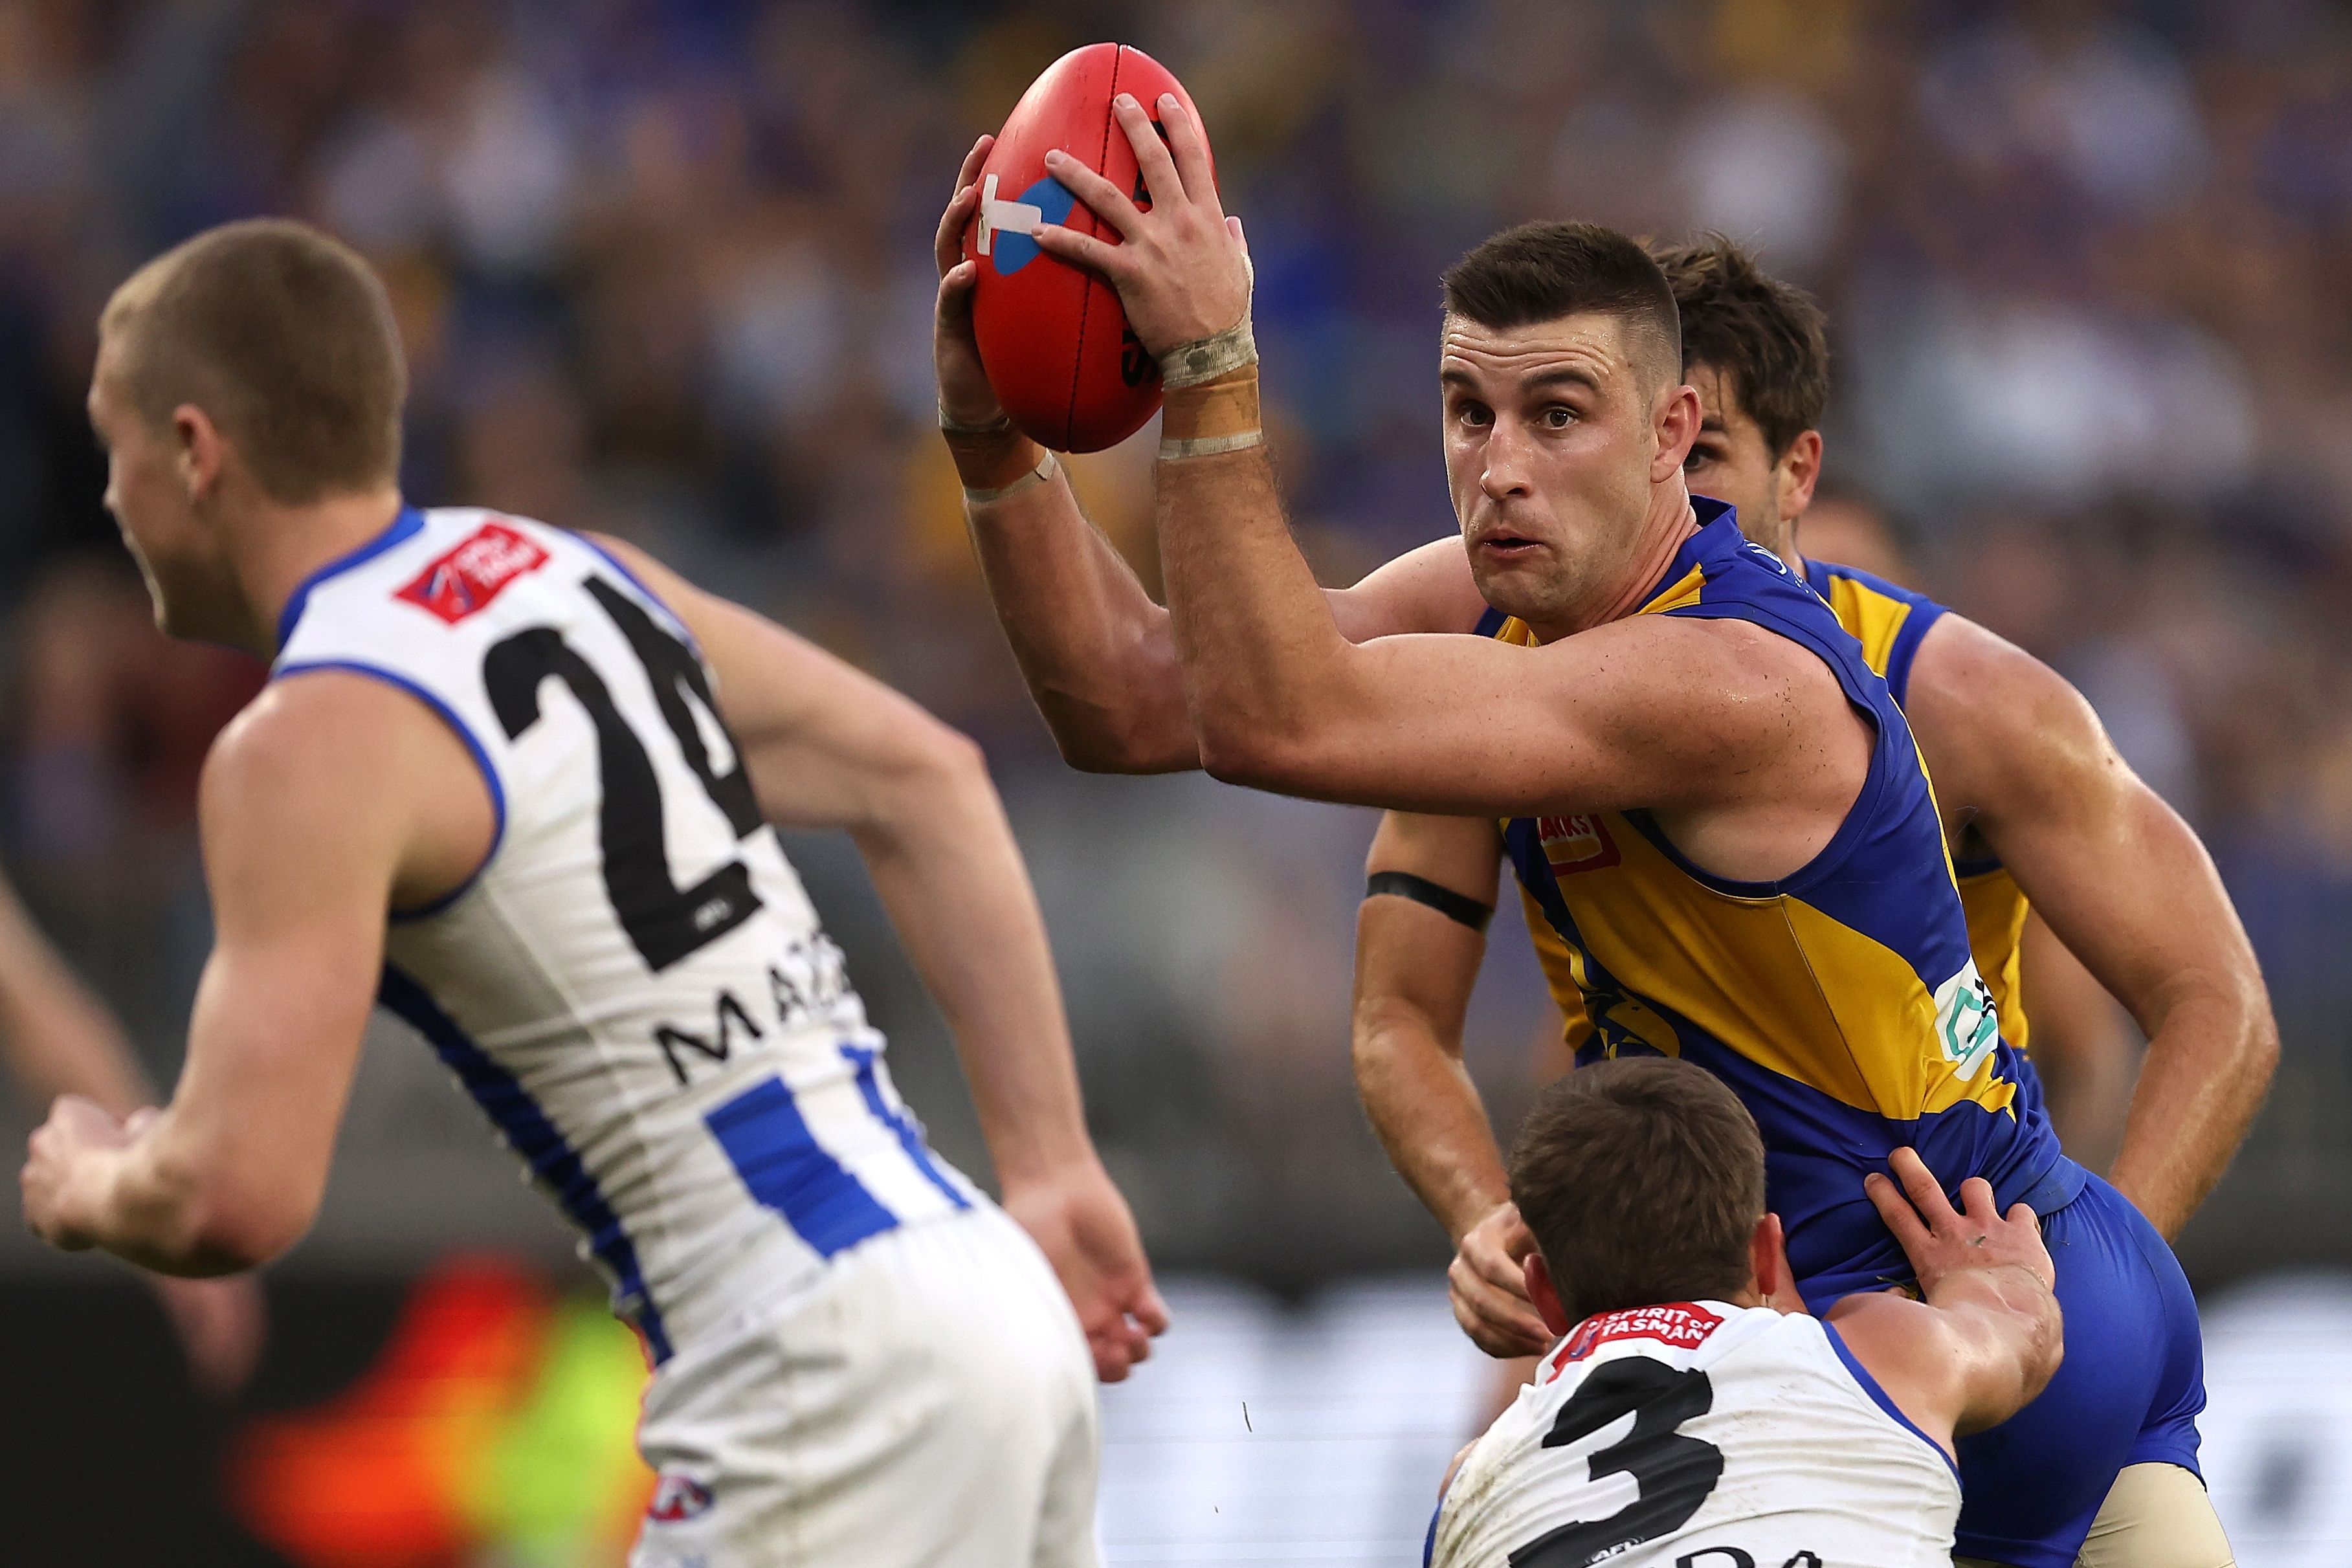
(1558, 416)
(1476, 414)
(1700, 456)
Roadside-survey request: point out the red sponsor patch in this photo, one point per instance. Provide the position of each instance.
(1576, 843)
(676, 1499)
(1681, 1324)
(469, 576)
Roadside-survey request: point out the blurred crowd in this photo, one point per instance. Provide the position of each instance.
(664, 268)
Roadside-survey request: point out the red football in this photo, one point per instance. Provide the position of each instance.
(1053, 338)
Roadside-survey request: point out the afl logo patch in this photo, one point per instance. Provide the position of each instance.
(469, 576)
(1576, 843)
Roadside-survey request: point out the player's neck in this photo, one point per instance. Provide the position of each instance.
(279, 548)
(1665, 526)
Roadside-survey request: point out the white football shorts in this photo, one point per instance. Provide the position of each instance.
(928, 1402)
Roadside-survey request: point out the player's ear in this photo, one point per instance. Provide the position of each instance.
(1800, 470)
(200, 449)
(1677, 426)
(1544, 1293)
(1768, 1261)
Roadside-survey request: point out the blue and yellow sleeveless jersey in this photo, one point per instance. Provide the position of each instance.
(1842, 1002)
(1890, 621)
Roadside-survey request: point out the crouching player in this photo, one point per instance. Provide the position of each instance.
(519, 784)
(1760, 1438)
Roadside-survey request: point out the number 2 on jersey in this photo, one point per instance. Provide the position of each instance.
(1672, 1473)
(666, 922)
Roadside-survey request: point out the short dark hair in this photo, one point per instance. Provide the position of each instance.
(1642, 1179)
(286, 337)
(1766, 337)
(1543, 271)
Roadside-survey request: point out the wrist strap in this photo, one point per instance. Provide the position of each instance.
(1460, 908)
(955, 426)
(1206, 359)
(1037, 476)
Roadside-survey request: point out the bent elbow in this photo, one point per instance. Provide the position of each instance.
(1252, 755)
(236, 1237)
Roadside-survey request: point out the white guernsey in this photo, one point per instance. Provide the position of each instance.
(636, 991)
(1701, 1435)
(633, 987)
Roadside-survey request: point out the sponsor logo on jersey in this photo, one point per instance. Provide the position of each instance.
(677, 1498)
(1681, 1324)
(1576, 843)
(1967, 1026)
(469, 576)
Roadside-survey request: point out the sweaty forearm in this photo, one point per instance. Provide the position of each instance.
(1096, 650)
(950, 876)
(2207, 1070)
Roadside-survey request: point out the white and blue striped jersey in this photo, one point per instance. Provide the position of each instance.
(1700, 1435)
(634, 985)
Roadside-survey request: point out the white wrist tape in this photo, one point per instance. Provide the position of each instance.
(1206, 359)
(1037, 476)
(1210, 445)
(954, 426)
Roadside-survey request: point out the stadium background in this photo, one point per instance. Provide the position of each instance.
(663, 270)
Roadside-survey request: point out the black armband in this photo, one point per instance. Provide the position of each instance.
(1455, 906)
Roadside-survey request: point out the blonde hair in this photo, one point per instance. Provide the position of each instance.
(285, 337)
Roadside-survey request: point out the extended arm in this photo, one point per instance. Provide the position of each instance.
(827, 746)
(1414, 970)
(1986, 1336)
(1097, 652)
(314, 805)
(2126, 885)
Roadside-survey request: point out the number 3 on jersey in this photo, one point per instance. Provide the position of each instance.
(665, 922)
(1672, 1473)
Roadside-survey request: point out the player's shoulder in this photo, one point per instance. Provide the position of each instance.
(329, 733)
(1966, 673)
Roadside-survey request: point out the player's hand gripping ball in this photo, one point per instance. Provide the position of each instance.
(1052, 336)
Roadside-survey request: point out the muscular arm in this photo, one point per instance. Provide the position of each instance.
(2124, 883)
(827, 746)
(1100, 655)
(1414, 970)
(333, 797)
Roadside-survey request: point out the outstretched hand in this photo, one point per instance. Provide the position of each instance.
(1182, 268)
(1082, 1223)
(1941, 1240)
